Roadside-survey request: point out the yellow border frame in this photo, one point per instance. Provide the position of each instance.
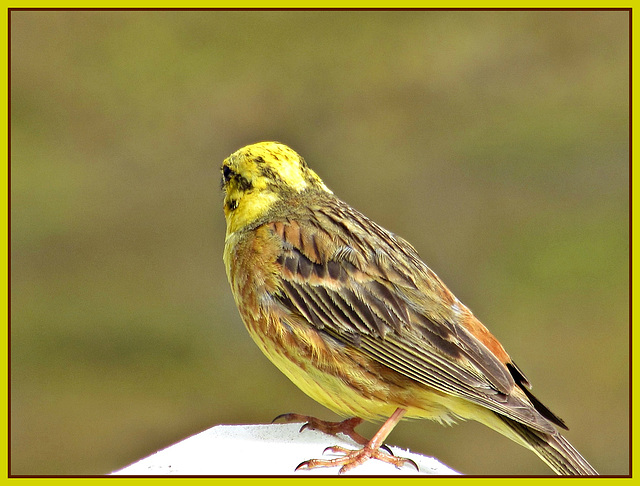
(285, 5)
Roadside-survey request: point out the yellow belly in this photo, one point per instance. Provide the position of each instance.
(346, 381)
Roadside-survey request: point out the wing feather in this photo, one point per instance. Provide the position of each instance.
(351, 298)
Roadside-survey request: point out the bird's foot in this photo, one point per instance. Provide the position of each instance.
(346, 427)
(354, 458)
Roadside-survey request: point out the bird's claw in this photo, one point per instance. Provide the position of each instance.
(346, 427)
(354, 458)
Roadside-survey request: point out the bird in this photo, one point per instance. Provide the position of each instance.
(349, 312)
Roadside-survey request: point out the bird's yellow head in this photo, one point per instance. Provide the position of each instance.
(255, 177)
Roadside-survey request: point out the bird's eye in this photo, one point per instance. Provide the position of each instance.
(227, 173)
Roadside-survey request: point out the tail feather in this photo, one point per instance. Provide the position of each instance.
(553, 449)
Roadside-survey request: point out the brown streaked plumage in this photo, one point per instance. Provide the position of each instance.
(350, 313)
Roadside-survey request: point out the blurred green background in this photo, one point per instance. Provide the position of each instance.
(495, 142)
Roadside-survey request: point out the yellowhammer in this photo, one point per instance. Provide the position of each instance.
(349, 312)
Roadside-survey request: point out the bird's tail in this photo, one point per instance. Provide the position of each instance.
(552, 448)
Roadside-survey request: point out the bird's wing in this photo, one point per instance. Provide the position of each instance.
(372, 295)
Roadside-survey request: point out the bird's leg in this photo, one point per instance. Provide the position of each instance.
(346, 427)
(371, 450)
